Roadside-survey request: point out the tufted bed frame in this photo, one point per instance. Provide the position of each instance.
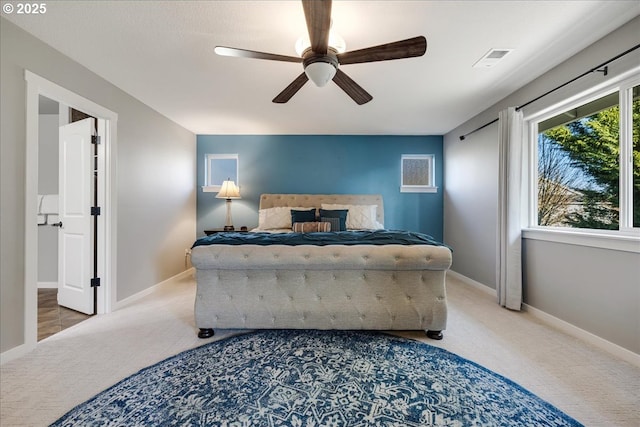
(391, 287)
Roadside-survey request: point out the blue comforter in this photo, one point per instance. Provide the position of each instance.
(354, 237)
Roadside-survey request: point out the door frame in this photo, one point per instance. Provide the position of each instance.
(107, 186)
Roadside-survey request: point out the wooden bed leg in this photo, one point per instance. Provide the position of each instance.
(205, 333)
(435, 335)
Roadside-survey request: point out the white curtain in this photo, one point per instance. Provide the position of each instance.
(509, 253)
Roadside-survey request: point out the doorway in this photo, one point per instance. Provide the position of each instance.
(106, 233)
(55, 311)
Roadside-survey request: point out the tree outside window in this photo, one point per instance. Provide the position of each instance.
(579, 165)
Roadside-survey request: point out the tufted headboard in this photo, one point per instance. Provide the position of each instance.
(316, 200)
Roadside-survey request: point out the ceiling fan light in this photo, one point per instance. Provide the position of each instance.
(336, 42)
(320, 72)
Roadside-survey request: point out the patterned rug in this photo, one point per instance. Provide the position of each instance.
(313, 379)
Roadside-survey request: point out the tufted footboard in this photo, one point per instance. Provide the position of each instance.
(390, 287)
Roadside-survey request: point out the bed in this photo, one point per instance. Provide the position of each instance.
(244, 285)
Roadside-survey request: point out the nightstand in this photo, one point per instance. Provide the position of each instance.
(222, 230)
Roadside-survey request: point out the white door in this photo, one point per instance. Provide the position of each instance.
(75, 238)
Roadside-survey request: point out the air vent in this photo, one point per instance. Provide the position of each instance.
(491, 58)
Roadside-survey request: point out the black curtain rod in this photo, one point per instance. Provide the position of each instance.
(597, 68)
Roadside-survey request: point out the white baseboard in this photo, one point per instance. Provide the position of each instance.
(468, 281)
(135, 297)
(23, 349)
(14, 353)
(47, 285)
(566, 327)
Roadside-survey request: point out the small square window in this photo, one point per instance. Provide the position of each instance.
(418, 173)
(219, 168)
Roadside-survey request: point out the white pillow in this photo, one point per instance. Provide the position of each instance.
(279, 217)
(359, 217)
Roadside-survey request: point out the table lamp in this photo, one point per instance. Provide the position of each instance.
(228, 191)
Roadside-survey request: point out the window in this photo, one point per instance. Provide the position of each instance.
(218, 168)
(417, 173)
(634, 137)
(586, 163)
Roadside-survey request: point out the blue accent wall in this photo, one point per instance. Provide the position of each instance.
(323, 164)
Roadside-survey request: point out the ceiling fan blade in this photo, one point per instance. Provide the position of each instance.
(291, 90)
(244, 53)
(352, 88)
(408, 48)
(318, 16)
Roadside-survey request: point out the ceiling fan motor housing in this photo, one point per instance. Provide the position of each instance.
(320, 68)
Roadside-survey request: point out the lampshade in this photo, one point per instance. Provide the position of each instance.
(229, 190)
(320, 72)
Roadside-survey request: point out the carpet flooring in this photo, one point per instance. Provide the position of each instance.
(583, 381)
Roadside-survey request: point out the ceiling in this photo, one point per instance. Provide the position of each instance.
(161, 52)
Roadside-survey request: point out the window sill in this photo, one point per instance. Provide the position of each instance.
(418, 189)
(211, 188)
(619, 242)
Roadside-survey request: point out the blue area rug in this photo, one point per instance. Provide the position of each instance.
(313, 379)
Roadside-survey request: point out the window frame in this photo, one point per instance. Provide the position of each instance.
(430, 185)
(626, 238)
(210, 187)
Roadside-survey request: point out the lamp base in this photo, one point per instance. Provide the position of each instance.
(228, 224)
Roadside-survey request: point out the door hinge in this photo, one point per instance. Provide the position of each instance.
(95, 282)
(95, 139)
(95, 210)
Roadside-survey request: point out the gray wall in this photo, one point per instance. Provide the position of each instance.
(594, 289)
(156, 178)
(471, 204)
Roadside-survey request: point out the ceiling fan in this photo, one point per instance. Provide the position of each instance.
(321, 61)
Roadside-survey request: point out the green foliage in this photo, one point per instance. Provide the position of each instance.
(593, 145)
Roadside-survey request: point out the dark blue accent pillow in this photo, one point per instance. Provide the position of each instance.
(341, 214)
(303, 216)
(334, 223)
